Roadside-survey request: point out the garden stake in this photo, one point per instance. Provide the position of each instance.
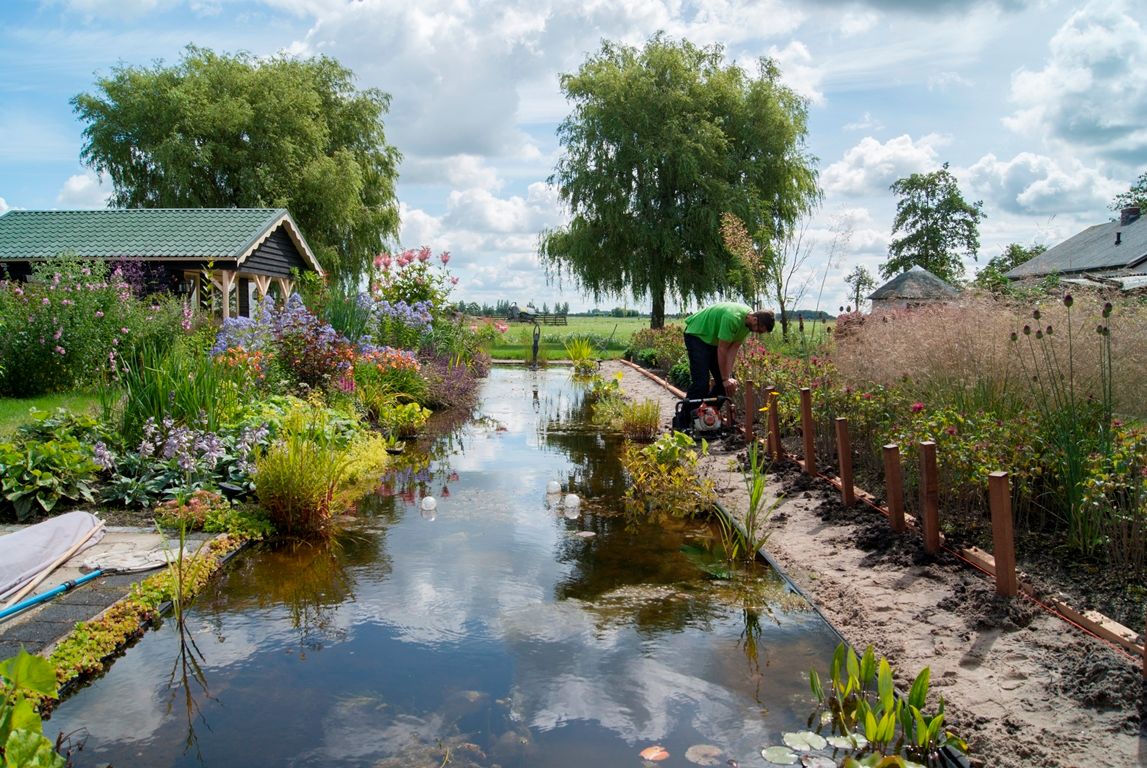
(750, 409)
(844, 457)
(807, 431)
(1003, 545)
(929, 497)
(776, 449)
(894, 480)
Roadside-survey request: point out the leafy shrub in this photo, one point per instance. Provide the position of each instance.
(36, 475)
(582, 354)
(665, 481)
(657, 347)
(403, 419)
(190, 513)
(387, 370)
(71, 323)
(680, 375)
(641, 421)
(450, 384)
(313, 353)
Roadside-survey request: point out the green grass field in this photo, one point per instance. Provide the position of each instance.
(610, 334)
(14, 411)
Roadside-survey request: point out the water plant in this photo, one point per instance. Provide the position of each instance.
(665, 481)
(869, 724)
(582, 354)
(746, 542)
(24, 680)
(640, 421)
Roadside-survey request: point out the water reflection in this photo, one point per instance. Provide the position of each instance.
(512, 630)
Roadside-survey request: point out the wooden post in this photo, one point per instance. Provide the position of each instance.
(1003, 544)
(929, 497)
(776, 450)
(750, 410)
(807, 431)
(844, 457)
(894, 483)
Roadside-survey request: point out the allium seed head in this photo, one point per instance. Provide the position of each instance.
(1027, 330)
(1067, 300)
(1035, 314)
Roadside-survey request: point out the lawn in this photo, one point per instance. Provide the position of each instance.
(610, 335)
(15, 411)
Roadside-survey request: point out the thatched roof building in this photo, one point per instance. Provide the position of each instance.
(915, 288)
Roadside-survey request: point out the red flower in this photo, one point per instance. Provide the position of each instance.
(917, 407)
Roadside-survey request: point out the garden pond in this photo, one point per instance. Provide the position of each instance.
(507, 626)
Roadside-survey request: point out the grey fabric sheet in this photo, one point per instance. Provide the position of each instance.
(28, 551)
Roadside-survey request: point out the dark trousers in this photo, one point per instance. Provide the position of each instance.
(702, 366)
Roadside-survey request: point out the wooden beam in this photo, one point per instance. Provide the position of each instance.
(894, 486)
(262, 284)
(224, 280)
(287, 286)
(929, 497)
(844, 459)
(776, 449)
(1003, 544)
(807, 431)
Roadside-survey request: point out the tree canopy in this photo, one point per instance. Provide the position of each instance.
(859, 281)
(1135, 196)
(1014, 254)
(659, 144)
(938, 226)
(221, 130)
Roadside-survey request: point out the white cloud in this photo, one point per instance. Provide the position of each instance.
(1037, 184)
(3, 205)
(119, 9)
(871, 167)
(83, 191)
(943, 81)
(798, 71)
(1091, 93)
(857, 21)
(866, 123)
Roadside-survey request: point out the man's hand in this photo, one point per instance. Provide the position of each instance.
(730, 386)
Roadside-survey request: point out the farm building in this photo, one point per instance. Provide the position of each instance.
(915, 288)
(221, 257)
(1113, 254)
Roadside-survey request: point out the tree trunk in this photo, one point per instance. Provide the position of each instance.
(657, 318)
(784, 318)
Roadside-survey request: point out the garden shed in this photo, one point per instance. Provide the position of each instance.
(221, 258)
(915, 288)
(1113, 254)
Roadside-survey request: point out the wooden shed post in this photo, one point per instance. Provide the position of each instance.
(929, 497)
(844, 457)
(1003, 544)
(776, 450)
(894, 484)
(750, 409)
(807, 431)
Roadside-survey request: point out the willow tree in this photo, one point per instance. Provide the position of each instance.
(659, 144)
(217, 131)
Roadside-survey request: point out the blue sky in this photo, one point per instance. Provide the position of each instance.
(1039, 107)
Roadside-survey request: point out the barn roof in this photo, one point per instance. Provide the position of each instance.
(915, 284)
(154, 234)
(1116, 246)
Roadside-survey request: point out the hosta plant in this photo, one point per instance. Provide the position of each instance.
(25, 679)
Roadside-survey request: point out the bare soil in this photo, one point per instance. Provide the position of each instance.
(1022, 686)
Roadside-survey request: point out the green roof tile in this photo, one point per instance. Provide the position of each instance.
(141, 233)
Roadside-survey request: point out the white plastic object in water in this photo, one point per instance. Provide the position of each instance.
(553, 487)
(429, 504)
(572, 501)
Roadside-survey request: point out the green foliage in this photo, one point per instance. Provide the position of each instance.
(70, 323)
(1136, 195)
(992, 277)
(859, 281)
(748, 543)
(582, 354)
(25, 679)
(176, 383)
(295, 480)
(658, 347)
(665, 481)
(36, 475)
(937, 226)
(660, 142)
(218, 130)
(641, 421)
(403, 419)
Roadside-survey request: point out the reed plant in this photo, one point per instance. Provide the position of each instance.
(640, 422)
(296, 479)
(581, 352)
(176, 383)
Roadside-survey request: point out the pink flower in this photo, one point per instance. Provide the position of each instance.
(123, 330)
(951, 430)
(60, 351)
(453, 280)
(445, 256)
(59, 332)
(45, 301)
(386, 261)
(867, 395)
(424, 253)
(917, 407)
(99, 313)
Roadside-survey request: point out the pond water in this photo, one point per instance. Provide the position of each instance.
(502, 628)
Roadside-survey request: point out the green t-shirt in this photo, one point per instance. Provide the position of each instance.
(719, 322)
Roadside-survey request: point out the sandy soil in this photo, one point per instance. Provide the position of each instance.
(1023, 687)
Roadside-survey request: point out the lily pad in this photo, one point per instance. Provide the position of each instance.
(779, 755)
(817, 761)
(704, 754)
(854, 741)
(804, 741)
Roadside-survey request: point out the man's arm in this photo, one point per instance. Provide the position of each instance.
(727, 357)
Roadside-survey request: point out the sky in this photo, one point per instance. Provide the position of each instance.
(1038, 106)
